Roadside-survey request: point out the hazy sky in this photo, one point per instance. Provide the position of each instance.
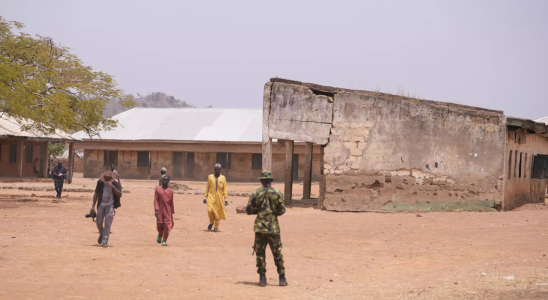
(492, 54)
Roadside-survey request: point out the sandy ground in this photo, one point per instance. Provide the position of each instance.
(48, 250)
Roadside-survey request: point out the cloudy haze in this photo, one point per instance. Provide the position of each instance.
(491, 54)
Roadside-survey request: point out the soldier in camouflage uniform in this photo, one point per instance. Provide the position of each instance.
(267, 203)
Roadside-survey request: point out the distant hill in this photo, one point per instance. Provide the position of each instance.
(158, 99)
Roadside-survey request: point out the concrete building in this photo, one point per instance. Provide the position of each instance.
(386, 152)
(19, 149)
(188, 142)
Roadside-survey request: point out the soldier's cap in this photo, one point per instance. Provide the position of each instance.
(266, 175)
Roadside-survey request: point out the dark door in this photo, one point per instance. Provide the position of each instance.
(189, 165)
(177, 164)
(295, 166)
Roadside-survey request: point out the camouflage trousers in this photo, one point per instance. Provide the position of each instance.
(261, 239)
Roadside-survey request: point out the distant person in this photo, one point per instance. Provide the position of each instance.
(268, 204)
(162, 175)
(112, 168)
(107, 197)
(215, 191)
(36, 167)
(163, 210)
(59, 173)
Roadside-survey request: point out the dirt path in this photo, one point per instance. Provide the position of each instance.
(49, 250)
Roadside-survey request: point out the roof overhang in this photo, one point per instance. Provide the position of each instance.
(529, 125)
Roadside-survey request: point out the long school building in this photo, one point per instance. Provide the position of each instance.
(188, 142)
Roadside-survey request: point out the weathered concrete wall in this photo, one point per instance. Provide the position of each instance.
(387, 150)
(384, 150)
(519, 187)
(297, 114)
(203, 165)
(8, 169)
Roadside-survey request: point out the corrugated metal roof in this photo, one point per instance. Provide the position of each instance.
(186, 124)
(543, 120)
(9, 127)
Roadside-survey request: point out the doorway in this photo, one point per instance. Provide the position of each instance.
(295, 167)
(177, 164)
(189, 165)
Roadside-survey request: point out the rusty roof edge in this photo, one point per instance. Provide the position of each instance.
(528, 124)
(371, 93)
(73, 140)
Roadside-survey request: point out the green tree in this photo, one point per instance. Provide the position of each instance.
(57, 149)
(47, 87)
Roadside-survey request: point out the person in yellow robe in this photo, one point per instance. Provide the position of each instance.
(214, 193)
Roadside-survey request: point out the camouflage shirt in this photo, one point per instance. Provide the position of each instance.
(267, 204)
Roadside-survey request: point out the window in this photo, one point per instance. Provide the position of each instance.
(525, 167)
(13, 153)
(520, 156)
(515, 163)
(256, 161)
(224, 159)
(510, 165)
(28, 153)
(110, 158)
(143, 159)
(540, 166)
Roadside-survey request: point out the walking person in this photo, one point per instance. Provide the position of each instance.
(58, 173)
(162, 175)
(215, 191)
(107, 197)
(268, 204)
(163, 210)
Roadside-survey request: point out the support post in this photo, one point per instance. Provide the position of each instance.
(288, 188)
(46, 161)
(20, 159)
(149, 163)
(70, 162)
(321, 197)
(267, 141)
(307, 184)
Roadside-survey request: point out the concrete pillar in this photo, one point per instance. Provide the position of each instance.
(70, 162)
(267, 156)
(307, 184)
(323, 177)
(267, 141)
(288, 188)
(20, 159)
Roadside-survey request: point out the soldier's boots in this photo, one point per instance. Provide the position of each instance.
(283, 282)
(262, 280)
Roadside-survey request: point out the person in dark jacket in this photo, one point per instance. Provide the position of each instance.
(107, 197)
(59, 173)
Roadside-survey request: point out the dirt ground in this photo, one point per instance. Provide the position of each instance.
(48, 250)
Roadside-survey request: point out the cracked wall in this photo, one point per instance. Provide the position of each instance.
(384, 149)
